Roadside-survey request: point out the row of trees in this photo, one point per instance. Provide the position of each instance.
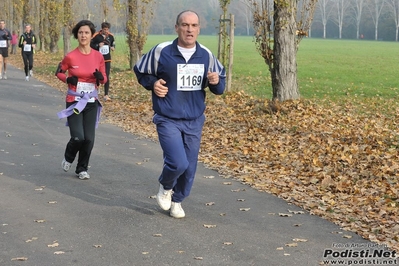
(371, 19)
(350, 19)
(353, 19)
(279, 25)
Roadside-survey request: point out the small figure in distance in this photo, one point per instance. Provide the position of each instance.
(27, 43)
(5, 37)
(104, 42)
(14, 42)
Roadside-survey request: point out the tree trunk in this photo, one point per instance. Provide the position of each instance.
(132, 32)
(284, 71)
(68, 25)
(67, 39)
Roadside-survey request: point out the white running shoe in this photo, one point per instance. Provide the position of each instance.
(83, 175)
(176, 210)
(27, 78)
(31, 73)
(1, 77)
(66, 165)
(164, 198)
(4, 76)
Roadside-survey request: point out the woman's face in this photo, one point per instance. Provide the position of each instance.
(84, 35)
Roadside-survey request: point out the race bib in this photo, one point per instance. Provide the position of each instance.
(84, 87)
(104, 49)
(27, 48)
(189, 77)
(3, 44)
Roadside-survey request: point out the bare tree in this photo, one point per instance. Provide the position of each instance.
(394, 7)
(375, 8)
(357, 11)
(278, 31)
(325, 11)
(243, 9)
(341, 7)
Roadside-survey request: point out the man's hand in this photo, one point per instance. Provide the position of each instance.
(213, 78)
(159, 89)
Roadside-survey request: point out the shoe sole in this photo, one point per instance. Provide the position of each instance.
(177, 216)
(83, 178)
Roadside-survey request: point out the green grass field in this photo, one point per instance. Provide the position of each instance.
(326, 68)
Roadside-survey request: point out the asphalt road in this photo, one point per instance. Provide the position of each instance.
(49, 217)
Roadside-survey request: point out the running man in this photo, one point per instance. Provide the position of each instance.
(5, 37)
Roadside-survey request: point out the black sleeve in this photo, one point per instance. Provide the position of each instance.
(113, 42)
(21, 40)
(94, 43)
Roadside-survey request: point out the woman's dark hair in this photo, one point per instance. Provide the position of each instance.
(83, 23)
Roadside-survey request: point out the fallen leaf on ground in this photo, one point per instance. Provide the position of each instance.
(20, 259)
(53, 245)
(209, 225)
(58, 252)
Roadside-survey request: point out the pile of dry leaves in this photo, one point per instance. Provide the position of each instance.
(338, 160)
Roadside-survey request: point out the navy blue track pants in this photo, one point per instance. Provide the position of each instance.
(180, 141)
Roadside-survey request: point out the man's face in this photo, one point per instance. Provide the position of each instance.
(27, 28)
(2, 25)
(105, 31)
(187, 30)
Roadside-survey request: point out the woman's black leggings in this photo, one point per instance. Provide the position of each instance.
(28, 61)
(82, 129)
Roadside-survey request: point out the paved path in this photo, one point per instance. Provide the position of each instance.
(113, 219)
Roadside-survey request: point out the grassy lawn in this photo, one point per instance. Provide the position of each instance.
(326, 68)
